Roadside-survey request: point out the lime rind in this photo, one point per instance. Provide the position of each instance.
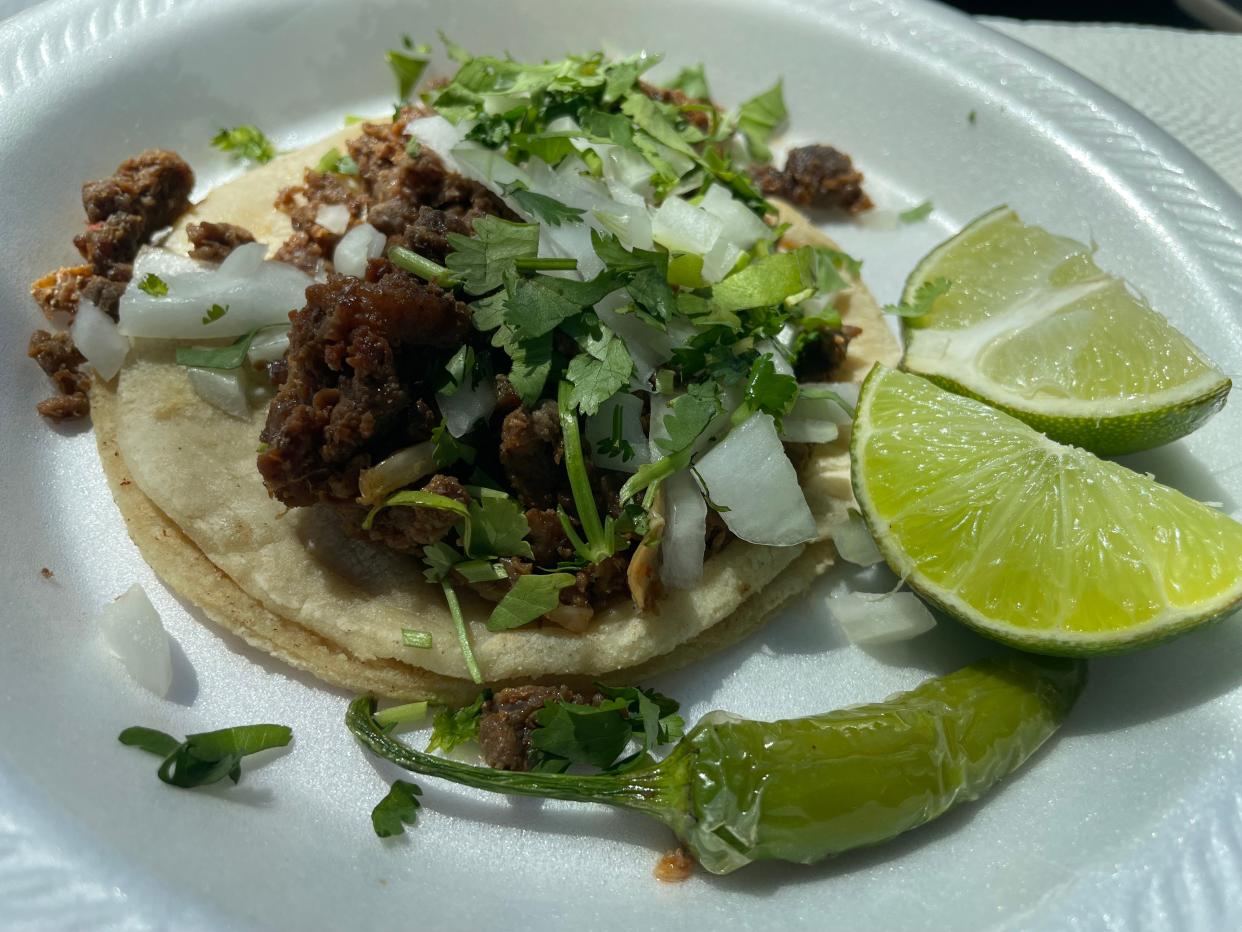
(1166, 605)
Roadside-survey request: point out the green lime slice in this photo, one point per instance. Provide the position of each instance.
(1037, 544)
(1032, 325)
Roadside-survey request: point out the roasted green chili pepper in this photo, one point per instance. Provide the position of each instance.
(802, 789)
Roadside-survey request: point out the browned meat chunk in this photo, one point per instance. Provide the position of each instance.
(547, 538)
(530, 451)
(819, 360)
(599, 583)
(509, 718)
(59, 358)
(213, 242)
(355, 389)
(310, 241)
(405, 528)
(145, 194)
(816, 176)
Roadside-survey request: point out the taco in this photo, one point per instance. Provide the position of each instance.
(543, 414)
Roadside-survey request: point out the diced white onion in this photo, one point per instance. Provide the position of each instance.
(467, 406)
(681, 227)
(814, 418)
(221, 388)
(741, 226)
(649, 346)
(720, 260)
(847, 390)
(880, 619)
(751, 457)
(333, 217)
(356, 248)
(685, 532)
(441, 137)
(854, 542)
(627, 168)
(133, 632)
(407, 465)
(268, 346)
(96, 336)
(256, 293)
(599, 429)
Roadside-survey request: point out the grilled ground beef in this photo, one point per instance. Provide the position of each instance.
(531, 453)
(509, 718)
(816, 176)
(820, 359)
(355, 390)
(213, 242)
(145, 194)
(311, 243)
(59, 358)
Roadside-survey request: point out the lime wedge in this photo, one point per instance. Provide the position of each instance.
(1040, 545)
(1032, 325)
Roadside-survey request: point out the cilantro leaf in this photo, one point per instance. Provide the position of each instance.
(489, 313)
(396, 810)
(459, 368)
(648, 115)
(538, 304)
(447, 449)
(334, 163)
(608, 128)
(598, 376)
(417, 499)
(767, 280)
(459, 625)
(570, 733)
(532, 363)
(758, 118)
(531, 597)
(214, 313)
(651, 292)
(924, 297)
(601, 539)
(497, 528)
(457, 726)
(767, 390)
(480, 261)
(652, 716)
(218, 357)
(915, 214)
(414, 638)
(615, 444)
(622, 74)
(246, 142)
(692, 82)
(440, 559)
(206, 757)
(619, 259)
(408, 68)
(153, 285)
(547, 209)
(688, 416)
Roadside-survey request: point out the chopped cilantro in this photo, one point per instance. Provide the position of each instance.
(915, 214)
(153, 285)
(601, 539)
(413, 638)
(596, 735)
(245, 142)
(334, 163)
(460, 367)
(218, 357)
(416, 499)
(546, 209)
(621, 74)
(421, 266)
(413, 148)
(206, 757)
(401, 714)
(539, 304)
(599, 374)
(396, 810)
(457, 726)
(767, 390)
(651, 118)
(497, 528)
(480, 261)
(615, 444)
(447, 449)
(758, 118)
(492, 130)
(214, 313)
(692, 82)
(532, 597)
(924, 297)
(972, 117)
(688, 416)
(463, 637)
(532, 364)
(767, 280)
(408, 68)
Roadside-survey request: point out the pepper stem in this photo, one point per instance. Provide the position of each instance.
(647, 789)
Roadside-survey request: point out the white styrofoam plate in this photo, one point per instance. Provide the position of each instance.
(1130, 818)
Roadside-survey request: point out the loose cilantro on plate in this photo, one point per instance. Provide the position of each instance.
(915, 214)
(206, 757)
(396, 810)
(924, 297)
(246, 142)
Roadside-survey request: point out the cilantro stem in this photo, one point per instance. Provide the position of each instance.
(599, 542)
(399, 714)
(421, 266)
(548, 265)
(463, 639)
(653, 473)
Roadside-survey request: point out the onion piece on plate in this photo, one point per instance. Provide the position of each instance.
(357, 247)
(751, 457)
(685, 531)
(221, 388)
(854, 542)
(133, 632)
(871, 619)
(96, 336)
